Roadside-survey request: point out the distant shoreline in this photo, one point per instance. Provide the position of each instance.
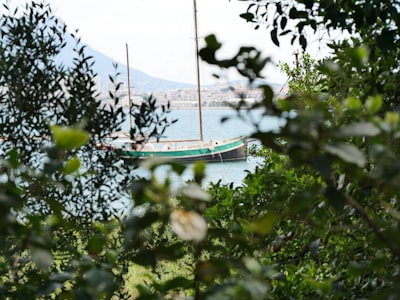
(183, 107)
(203, 108)
(208, 108)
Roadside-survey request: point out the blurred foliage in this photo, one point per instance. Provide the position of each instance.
(329, 173)
(317, 219)
(61, 196)
(363, 36)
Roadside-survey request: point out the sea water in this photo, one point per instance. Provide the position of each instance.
(235, 125)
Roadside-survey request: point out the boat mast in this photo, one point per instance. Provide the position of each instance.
(129, 87)
(196, 38)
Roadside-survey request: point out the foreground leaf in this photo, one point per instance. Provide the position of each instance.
(68, 138)
(347, 152)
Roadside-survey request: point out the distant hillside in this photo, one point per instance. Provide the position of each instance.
(140, 81)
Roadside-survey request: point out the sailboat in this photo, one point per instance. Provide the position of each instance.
(234, 149)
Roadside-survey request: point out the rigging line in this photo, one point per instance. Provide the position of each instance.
(129, 89)
(283, 86)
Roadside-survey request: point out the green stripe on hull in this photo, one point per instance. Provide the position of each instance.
(183, 153)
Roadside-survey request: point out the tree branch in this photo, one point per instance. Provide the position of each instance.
(353, 203)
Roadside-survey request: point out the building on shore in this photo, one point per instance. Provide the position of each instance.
(216, 96)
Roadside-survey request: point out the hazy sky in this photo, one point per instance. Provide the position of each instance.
(160, 33)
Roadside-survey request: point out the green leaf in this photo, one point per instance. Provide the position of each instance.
(353, 103)
(13, 158)
(145, 258)
(314, 247)
(252, 265)
(323, 287)
(195, 192)
(357, 269)
(62, 277)
(392, 118)
(208, 53)
(72, 165)
(68, 138)
(283, 22)
(303, 42)
(358, 55)
(249, 17)
(55, 205)
(358, 129)
(374, 104)
(55, 282)
(335, 198)
(42, 258)
(264, 224)
(100, 280)
(274, 37)
(199, 167)
(199, 170)
(268, 95)
(175, 283)
(96, 244)
(347, 152)
(293, 13)
(177, 167)
(309, 3)
(171, 252)
(208, 271)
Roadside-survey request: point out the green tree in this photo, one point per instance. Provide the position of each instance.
(365, 56)
(60, 227)
(304, 77)
(37, 92)
(342, 141)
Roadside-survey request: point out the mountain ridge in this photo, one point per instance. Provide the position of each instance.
(141, 82)
(103, 66)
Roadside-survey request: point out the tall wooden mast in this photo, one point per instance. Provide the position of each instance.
(129, 88)
(196, 38)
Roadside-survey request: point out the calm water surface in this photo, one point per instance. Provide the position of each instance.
(187, 127)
